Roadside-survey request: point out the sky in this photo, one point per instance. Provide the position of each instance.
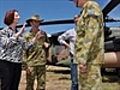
(50, 10)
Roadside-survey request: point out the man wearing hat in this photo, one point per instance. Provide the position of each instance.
(89, 45)
(35, 58)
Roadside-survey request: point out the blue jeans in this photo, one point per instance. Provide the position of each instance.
(74, 75)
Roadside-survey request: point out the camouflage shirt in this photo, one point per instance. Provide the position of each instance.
(89, 45)
(36, 55)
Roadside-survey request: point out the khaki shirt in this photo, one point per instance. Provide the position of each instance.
(89, 45)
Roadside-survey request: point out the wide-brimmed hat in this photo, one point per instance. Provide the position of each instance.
(35, 17)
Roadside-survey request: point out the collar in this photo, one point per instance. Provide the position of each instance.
(86, 4)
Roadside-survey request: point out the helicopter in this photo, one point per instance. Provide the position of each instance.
(59, 54)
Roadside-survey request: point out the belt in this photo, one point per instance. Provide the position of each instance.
(71, 55)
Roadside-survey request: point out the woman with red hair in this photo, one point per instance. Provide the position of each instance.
(12, 47)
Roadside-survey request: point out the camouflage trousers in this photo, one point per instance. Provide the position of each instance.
(91, 80)
(40, 73)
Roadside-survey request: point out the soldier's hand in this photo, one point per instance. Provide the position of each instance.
(83, 68)
(28, 70)
(46, 44)
(39, 34)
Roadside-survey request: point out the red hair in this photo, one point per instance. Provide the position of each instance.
(9, 17)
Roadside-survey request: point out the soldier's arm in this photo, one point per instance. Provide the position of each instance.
(25, 54)
(91, 30)
(47, 41)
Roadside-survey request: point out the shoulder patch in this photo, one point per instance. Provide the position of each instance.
(91, 12)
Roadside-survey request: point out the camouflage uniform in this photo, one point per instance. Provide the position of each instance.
(35, 58)
(89, 46)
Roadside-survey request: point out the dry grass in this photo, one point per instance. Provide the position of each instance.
(58, 78)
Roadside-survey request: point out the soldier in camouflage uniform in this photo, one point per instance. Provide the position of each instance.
(89, 46)
(35, 58)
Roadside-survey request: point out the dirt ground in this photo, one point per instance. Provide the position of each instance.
(58, 78)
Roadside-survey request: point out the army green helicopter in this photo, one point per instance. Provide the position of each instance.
(59, 54)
